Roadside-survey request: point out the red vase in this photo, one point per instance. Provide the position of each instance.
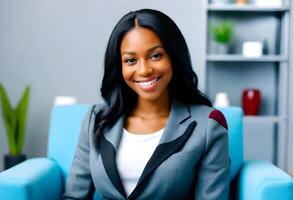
(251, 99)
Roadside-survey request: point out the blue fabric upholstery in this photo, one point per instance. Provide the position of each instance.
(234, 118)
(37, 178)
(63, 134)
(43, 178)
(262, 180)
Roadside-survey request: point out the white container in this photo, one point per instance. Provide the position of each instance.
(64, 100)
(252, 49)
(222, 100)
(268, 3)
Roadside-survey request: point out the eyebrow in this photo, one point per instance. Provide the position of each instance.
(149, 50)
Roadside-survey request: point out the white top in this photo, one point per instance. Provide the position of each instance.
(134, 152)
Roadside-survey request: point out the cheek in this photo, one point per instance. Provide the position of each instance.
(170, 71)
(167, 70)
(126, 73)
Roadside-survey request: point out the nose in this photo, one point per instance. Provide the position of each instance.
(145, 69)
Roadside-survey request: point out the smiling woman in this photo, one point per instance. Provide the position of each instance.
(146, 66)
(156, 130)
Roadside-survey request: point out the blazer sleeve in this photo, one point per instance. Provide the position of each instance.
(212, 181)
(79, 184)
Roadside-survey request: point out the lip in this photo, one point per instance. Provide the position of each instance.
(147, 80)
(148, 84)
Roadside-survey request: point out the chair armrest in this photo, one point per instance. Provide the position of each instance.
(261, 180)
(33, 179)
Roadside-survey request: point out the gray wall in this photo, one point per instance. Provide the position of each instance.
(57, 47)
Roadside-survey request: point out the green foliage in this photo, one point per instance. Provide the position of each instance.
(15, 119)
(222, 32)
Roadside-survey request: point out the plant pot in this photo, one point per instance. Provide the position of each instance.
(220, 2)
(10, 160)
(222, 48)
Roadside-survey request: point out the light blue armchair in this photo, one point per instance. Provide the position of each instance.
(44, 178)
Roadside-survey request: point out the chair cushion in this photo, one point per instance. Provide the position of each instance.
(64, 130)
(234, 118)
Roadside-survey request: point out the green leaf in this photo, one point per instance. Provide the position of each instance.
(15, 119)
(222, 32)
(8, 118)
(21, 118)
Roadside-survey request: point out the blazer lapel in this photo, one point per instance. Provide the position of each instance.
(178, 129)
(176, 124)
(109, 143)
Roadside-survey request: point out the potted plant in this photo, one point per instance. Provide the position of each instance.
(15, 123)
(220, 2)
(222, 34)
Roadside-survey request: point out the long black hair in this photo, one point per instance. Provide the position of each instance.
(119, 98)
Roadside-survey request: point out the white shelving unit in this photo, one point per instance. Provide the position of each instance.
(232, 72)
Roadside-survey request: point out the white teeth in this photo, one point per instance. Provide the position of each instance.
(148, 83)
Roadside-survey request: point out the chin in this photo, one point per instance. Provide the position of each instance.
(149, 97)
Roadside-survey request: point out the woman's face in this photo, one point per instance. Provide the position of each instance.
(146, 66)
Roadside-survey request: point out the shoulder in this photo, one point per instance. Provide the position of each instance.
(91, 113)
(96, 108)
(212, 124)
(90, 117)
(205, 114)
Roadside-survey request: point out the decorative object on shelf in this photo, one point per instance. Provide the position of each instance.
(268, 3)
(252, 49)
(251, 100)
(15, 123)
(265, 47)
(64, 100)
(221, 100)
(219, 2)
(222, 34)
(241, 2)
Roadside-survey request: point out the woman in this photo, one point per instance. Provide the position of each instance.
(157, 137)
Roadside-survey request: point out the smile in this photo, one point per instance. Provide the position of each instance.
(148, 84)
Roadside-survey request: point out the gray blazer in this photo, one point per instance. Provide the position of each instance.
(190, 162)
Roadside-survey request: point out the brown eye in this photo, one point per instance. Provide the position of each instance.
(156, 56)
(130, 61)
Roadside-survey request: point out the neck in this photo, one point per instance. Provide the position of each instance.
(148, 109)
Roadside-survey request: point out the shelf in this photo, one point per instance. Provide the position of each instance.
(240, 58)
(247, 8)
(276, 119)
(232, 72)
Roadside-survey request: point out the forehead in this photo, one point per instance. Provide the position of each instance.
(139, 38)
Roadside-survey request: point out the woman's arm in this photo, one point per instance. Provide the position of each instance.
(212, 182)
(79, 184)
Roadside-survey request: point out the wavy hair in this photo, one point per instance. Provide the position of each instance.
(119, 98)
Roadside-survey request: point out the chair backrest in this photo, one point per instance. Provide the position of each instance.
(234, 117)
(66, 123)
(64, 130)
